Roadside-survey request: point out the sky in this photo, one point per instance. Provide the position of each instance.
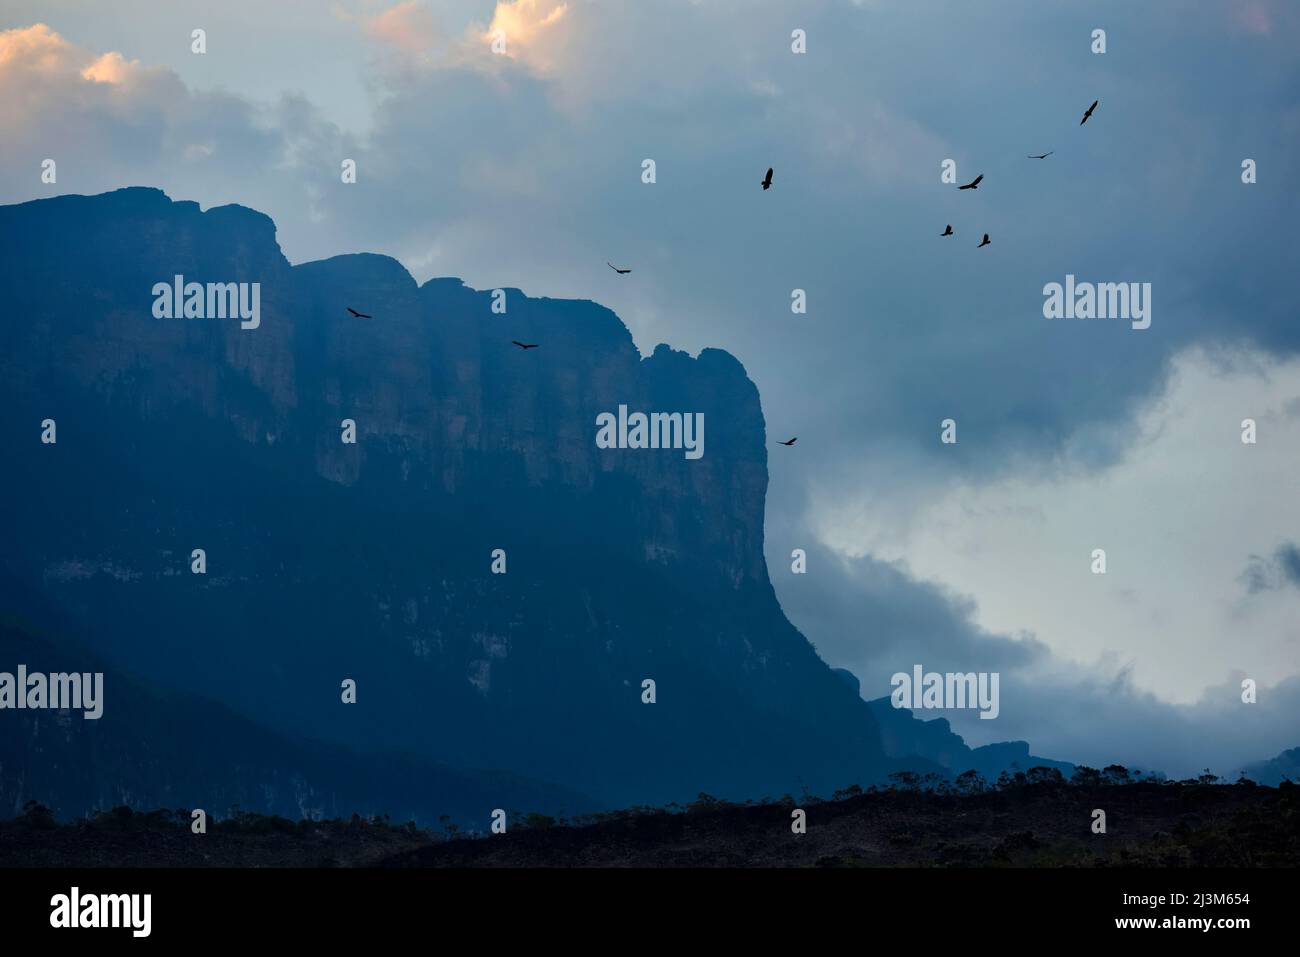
(522, 167)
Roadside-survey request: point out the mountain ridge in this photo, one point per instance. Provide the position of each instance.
(623, 564)
(374, 561)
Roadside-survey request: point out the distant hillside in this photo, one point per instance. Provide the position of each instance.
(921, 744)
(1284, 767)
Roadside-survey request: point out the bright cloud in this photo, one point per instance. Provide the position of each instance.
(408, 27)
(36, 48)
(1179, 518)
(528, 30)
(110, 68)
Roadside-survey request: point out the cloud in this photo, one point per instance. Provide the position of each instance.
(1175, 516)
(528, 29)
(66, 100)
(1257, 577)
(1288, 557)
(36, 48)
(1262, 575)
(874, 619)
(408, 27)
(31, 59)
(111, 68)
(109, 121)
(40, 54)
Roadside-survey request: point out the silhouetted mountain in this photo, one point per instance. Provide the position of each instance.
(904, 736)
(1284, 767)
(849, 678)
(372, 561)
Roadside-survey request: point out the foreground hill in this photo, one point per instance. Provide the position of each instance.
(1027, 825)
(1045, 825)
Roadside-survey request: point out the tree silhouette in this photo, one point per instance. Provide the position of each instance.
(1116, 774)
(906, 780)
(1086, 776)
(1044, 775)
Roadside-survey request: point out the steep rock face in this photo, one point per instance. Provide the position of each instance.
(180, 752)
(371, 561)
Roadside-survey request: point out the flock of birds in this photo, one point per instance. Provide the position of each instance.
(766, 183)
(975, 183)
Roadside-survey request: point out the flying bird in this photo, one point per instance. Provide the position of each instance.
(948, 231)
(985, 242)
(791, 442)
(1089, 112)
(1041, 156)
(359, 315)
(524, 345)
(621, 272)
(767, 180)
(973, 184)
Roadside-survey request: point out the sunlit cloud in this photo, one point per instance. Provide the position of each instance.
(112, 67)
(525, 29)
(408, 27)
(36, 48)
